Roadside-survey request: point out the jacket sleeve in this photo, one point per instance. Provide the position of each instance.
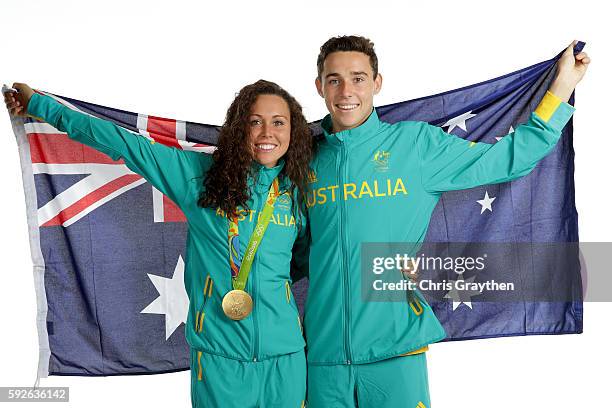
(167, 168)
(450, 163)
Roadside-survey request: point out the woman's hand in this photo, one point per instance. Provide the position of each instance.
(17, 102)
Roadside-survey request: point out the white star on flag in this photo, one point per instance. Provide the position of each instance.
(498, 138)
(486, 202)
(458, 121)
(464, 296)
(172, 301)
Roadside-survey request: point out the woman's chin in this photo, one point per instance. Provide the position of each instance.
(266, 161)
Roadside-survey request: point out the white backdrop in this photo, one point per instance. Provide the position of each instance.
(187, 61)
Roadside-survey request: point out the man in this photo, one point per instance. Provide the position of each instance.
(372, 354)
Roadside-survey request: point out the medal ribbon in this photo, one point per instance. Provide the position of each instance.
(240, 268)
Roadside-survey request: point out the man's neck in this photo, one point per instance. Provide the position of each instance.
(338, 128)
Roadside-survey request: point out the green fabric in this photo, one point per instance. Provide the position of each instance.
(273, 328)
(380, 182)
(278, 382)
(399, 382)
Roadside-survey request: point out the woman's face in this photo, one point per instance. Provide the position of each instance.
(269, 129)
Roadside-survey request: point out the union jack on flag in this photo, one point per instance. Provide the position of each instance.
(52, 152)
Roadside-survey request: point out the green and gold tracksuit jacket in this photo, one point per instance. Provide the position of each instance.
(273, 328)
(380, 182)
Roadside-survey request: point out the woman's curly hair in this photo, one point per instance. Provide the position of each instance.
(225, 184)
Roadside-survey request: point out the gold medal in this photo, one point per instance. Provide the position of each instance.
(237, 304)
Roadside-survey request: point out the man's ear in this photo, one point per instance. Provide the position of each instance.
(319, 86)
(377, 83)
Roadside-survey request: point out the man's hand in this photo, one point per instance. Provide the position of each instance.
(17, 102)
(411, 272)
(570, 70)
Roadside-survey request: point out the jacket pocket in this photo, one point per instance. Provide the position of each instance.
(206, 294)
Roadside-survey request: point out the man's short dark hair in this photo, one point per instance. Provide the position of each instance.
(348, 43)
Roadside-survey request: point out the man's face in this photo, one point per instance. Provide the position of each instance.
(348, 86)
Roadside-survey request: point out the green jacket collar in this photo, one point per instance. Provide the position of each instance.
(350, 137)
(265, 175)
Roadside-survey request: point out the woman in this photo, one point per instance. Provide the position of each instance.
(243, 325)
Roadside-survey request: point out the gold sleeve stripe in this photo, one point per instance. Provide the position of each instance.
(197, 320)
(210, 287)
(417, 351)
(548, 105)
(420, 405)
(287, 291)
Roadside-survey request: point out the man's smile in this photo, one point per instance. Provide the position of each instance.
(347, 106)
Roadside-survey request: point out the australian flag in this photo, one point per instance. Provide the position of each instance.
(108, 248)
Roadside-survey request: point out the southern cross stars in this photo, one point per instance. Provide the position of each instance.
(498, 138)
(458, 121)
(464, 296)
(486, 202)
